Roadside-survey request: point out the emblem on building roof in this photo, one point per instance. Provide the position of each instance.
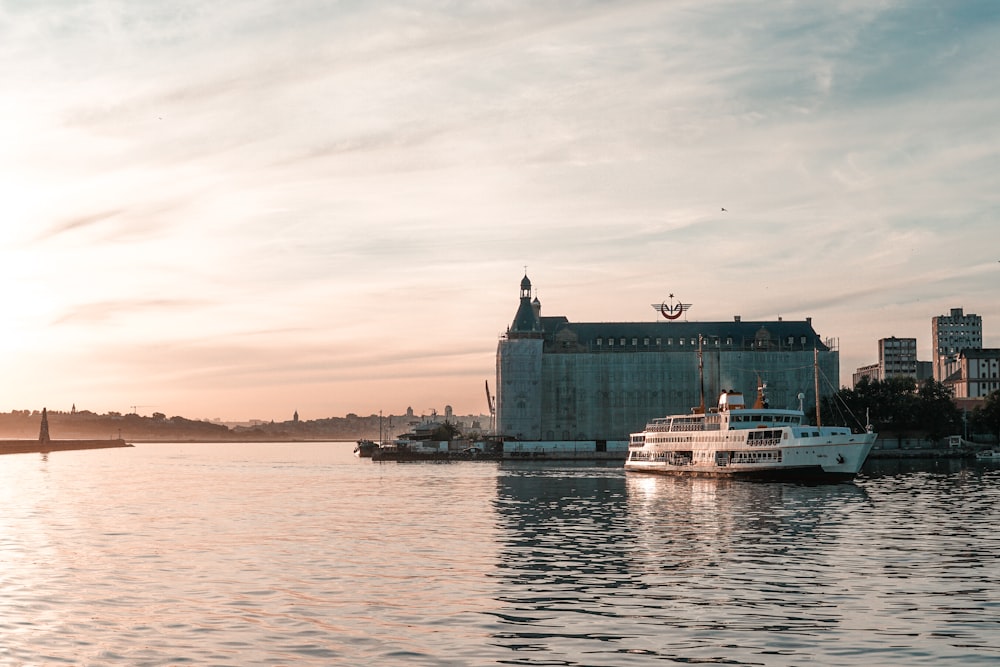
(671, 310)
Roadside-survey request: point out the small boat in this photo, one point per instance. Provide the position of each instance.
(988, 455)
(365, 448)
(732, 440)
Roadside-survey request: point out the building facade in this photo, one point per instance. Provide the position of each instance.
(871, 372)
(558, 380)
(897, 357)
(950, 334)
(973, 373)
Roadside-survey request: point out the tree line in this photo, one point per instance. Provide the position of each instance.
(900, 407)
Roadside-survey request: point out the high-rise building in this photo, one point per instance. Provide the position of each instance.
(897, 357)
(950, 334)
(559, 380)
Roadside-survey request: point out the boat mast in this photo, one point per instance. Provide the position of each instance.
(819, 422)
(701, 377)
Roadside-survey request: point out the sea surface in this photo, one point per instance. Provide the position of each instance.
(302, 554)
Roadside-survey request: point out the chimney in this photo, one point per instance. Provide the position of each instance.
(736, 318)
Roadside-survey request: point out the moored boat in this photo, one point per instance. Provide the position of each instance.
(988, 455)
(365, 448)
(760, 442)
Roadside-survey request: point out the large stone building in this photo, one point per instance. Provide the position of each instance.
(559, 380)
(950, 334)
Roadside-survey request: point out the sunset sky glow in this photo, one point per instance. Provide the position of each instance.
(243, 209)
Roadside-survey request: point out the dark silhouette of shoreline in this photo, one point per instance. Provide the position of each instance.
(83, 425)
(44, 447)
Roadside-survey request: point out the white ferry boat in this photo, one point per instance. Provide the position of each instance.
(757, 443)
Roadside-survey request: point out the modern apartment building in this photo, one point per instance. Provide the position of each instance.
(950, 334)
(897, 357)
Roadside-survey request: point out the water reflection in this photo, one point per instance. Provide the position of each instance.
(292, 554)
(599, 564)
(874, 468)
(564, 560)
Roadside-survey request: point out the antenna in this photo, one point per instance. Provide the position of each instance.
(819, 421)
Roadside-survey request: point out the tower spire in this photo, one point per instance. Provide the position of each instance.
(526, 321)
(43, 433)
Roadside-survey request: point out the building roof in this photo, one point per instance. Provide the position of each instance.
(980, 353)
(525, 320)
(778, 331)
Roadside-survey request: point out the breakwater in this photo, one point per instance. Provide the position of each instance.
(37, 446)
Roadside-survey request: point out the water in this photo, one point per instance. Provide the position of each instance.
(301, 554)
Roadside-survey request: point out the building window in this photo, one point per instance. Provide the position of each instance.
(635, 341)
(621, 342)
(680, 341)
(599, 342)
(729, 340)
(645, 341)
(611, 342)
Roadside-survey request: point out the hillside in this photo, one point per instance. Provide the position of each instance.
(25, 424)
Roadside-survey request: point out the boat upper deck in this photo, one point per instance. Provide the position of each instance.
(749, 418)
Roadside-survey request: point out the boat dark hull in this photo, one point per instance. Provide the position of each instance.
(395, 455)
(785, 474)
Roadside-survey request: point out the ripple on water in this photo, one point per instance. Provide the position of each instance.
(302, 554)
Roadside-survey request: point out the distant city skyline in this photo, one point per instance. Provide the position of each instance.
(242, 210)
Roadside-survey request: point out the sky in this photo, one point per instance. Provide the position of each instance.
(240, 210)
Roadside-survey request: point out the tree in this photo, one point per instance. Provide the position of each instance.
(895, 406)
(937, 414)
(986, 418)
(445, 431)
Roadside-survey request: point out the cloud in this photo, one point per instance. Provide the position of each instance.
(79, 223)
(367, 180)
(99, 312)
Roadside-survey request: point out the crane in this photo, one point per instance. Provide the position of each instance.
(491, 402)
